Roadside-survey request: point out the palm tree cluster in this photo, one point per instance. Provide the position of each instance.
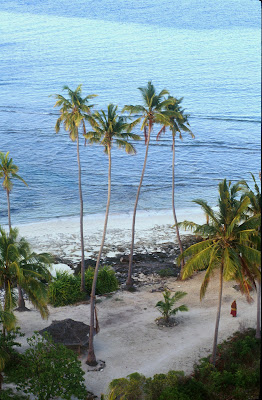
(107, 127)
(232, 235)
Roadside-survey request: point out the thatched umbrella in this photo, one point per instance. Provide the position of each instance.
(70, 333)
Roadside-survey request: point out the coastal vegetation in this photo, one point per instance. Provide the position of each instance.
(74, 111)
(151, 113)
(64, 289)
(178, 123)
(230, 242)
(254, 209)
(108, 127)
(227, 245)
(47, 370)
(236, 376)
(8, 171)
(29, 270)
(166, 306)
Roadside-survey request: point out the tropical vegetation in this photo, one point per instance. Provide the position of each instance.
(64, 289)
(151, 113)
(108, 127)
(178, 123)
(73, 113)
(8, 171)
(255, 210)
(235, 377)
(227, 245)
(19, 266)
(166, 306)
(47, 370)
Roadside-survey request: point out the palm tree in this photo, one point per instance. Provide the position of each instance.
(166, 306)
(178, 122)
(106, 128)
(255, 210)
(39, 264)
(226, 246)
(74, 110)
(15, 268)
(151, 114)
(8, 171)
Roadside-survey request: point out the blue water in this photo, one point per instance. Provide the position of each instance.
(206, 51)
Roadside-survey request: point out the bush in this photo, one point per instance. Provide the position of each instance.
(236, 376)
(65, 288)
(130, 388)
(48, 370)
(165, 272)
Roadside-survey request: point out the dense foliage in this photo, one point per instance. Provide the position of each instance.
(236, 376)
(65, 288)
(48, 370)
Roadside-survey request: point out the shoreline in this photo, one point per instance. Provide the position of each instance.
(61, 237)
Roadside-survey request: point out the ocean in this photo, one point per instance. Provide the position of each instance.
(204, 51)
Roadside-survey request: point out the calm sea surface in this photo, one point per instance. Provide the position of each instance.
(206, 51)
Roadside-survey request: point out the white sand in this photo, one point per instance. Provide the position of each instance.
(129, 340)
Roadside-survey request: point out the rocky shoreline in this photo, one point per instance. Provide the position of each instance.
(147, 265)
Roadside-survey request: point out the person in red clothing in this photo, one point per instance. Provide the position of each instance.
(234, 308)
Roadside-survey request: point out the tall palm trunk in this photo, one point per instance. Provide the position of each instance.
(258, 329)
(82, 288)
(21, 301)
(129, 282)
(8, 209)
(91, 358)
(173, 206)
(213, 357)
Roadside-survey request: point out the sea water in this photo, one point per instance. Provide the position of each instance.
(207, 52)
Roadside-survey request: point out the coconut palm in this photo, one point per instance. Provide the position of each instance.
(166, 306)
(17, 268)
(226, 247)
(74, 110)
(255, 210)
(107, 127)
(8, 171)
(151, 113)
(178, 123)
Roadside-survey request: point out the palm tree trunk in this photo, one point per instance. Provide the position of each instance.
(91, 358)
(213, 357)
(173, 206)
(129, 282)
(21, 301)
(82, 287)
(8, 209)
(258, 329)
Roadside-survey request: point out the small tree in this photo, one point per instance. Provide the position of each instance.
(166, 306)
(49, 370)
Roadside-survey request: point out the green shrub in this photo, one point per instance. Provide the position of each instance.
(9, 394)
(129, 388)
(48, 370)
(165, 272)
(106, 281)
(156, 385)
(236, 376)
(186, 389)
(65, 287)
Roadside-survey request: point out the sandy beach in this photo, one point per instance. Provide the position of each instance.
(129, 339)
